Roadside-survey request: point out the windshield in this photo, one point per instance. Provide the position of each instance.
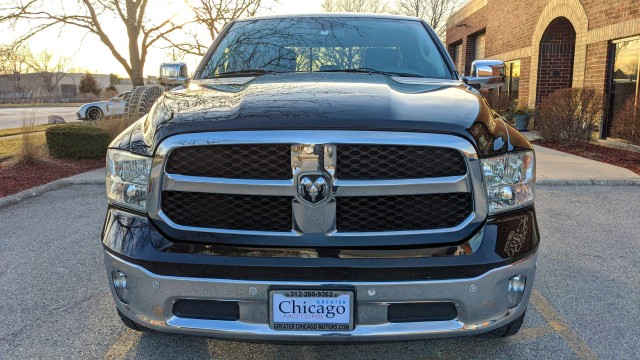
(327, 44)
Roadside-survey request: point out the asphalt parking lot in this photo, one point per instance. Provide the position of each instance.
(586, 304)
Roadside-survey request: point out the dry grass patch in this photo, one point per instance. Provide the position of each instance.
(114, 126)
(32, 149)
(12, 147)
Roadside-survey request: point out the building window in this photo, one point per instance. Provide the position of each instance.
(512, 79)
(457, 58)
(625, 71)
(623, 85)
(478, 47)
(68, 90)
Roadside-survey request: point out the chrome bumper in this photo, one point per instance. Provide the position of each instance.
(481, 303)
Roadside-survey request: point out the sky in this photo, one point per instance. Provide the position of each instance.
(298, 7)
(89, 54)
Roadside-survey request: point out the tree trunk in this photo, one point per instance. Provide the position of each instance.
(137, 77)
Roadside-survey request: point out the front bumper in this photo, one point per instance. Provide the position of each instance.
(482, 304)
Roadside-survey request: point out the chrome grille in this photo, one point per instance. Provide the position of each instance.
(227, 211)
(438, 194)
(405, 212)
(241, 161)
(365, 161)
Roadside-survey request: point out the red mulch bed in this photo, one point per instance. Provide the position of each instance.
(19, 177)
(618, 157)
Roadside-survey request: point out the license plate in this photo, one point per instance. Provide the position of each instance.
(311, 310)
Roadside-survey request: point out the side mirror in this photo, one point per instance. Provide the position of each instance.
(486, 74)
(173, 74)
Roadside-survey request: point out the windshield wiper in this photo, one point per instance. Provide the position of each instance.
(374, 71)
(245, 72)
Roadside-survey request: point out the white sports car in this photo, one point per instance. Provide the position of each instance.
(100, 109)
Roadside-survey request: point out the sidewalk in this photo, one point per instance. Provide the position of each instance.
(93, 176)
(619, 144)
(559, 168)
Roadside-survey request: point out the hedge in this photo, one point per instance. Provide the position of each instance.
(77, 141)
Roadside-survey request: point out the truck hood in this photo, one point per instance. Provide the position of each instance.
(323, 101)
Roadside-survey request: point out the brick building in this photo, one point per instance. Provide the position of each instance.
(553, 44)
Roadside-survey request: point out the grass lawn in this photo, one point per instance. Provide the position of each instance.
(21, 130)
(12, 146)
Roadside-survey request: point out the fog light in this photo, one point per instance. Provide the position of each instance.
(516, 290)
(120, 285)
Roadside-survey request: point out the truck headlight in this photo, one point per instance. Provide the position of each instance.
(127, 179)
(510, 181)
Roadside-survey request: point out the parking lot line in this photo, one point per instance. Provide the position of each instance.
(535, 332)
(555, 320)
(123, 344)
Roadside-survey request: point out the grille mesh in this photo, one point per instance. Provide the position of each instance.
(224, 211)
(405, 212)
(390, 162)
(353, 214)
(241, 161)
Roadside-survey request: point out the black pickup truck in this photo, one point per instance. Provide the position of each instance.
(323, 178)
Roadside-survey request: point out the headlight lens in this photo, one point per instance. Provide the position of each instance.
(510, 181)
(127, 179)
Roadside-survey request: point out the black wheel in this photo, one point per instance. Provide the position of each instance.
(131, 324)
(94, 114)
(510, 329)
(141, 100)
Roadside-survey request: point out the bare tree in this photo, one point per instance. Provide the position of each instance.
(368, 6)
(91, 15)
(210, 17)
(13, 64)
(49, 68)
(434, 12)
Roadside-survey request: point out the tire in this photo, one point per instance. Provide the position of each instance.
(510, 329)
(132, 324)
(141, 100)
(94, 114)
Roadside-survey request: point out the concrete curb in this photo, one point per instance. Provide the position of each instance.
(39, 190)
(588, 182)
